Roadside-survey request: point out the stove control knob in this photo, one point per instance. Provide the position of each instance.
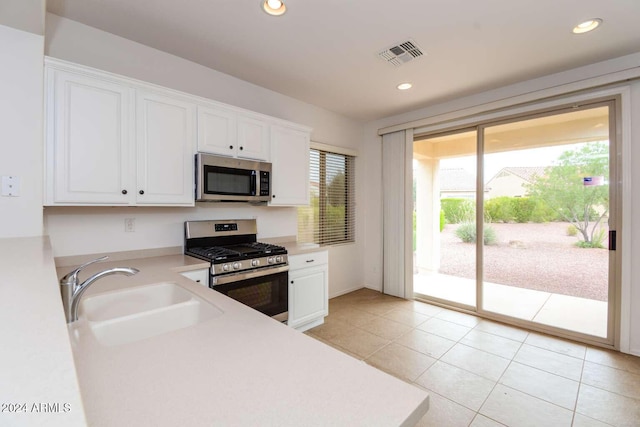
(225, 267)
(278, 258)
(236, 265)
(271, 260)
(255, 262)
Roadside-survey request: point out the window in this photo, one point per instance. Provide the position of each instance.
(330, 216)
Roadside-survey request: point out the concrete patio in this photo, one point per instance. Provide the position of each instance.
(562, 311)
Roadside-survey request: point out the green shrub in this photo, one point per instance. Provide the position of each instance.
(597, 242)
(443, 220)
(458, 210)
(518, 209)
(467, 233)
(523, 209)
(543, 213)
(572, 230)
(498, 209)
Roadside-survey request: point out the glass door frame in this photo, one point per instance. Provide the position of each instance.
(615, 220)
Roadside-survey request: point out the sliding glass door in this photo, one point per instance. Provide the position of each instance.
(548, 213)
(444, 171)
(523, 235)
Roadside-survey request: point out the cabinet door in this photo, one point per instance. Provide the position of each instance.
(253, 138)
(88, 140)
(165, 146)
(290, 167)
(308, 295)
(217, 131)
(198, 276)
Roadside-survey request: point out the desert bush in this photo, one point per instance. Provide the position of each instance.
(467, 233)
(518, 209)
(458, 210)
(498, 209)
(572, 230)
(522, 209)
(596, 243)
(543, 213)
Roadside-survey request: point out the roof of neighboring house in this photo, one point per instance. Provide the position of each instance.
(457, 179)
(525, 172)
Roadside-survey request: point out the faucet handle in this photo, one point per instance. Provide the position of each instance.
(72, 277)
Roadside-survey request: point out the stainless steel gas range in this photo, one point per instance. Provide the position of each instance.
(251, 272)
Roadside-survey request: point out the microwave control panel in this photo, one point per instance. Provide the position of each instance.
(264, 183)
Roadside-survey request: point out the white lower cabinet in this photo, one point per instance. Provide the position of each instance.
(308, 290)
(199, 276)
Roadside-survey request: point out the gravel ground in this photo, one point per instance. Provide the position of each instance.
(532, 256)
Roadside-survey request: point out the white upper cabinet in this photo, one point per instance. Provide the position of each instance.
(230, 133)
(88, 140)
(253, 138)
(165, 135)
(110, 142)
(290, 166)
(217, 131)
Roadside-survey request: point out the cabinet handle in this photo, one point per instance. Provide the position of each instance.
(231, 147)
(141, 191)
(292, 282)
(274, 196)
(124, 191)
(241, 148)
(310, 260)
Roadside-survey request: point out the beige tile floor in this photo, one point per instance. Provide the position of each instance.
(481, 373)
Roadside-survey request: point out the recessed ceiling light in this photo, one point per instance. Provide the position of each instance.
(587, 26)
(404, 86)
(274, 7)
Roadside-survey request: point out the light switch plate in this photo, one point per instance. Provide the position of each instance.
(10, 186)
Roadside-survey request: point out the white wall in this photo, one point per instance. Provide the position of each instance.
(512, 95)
(92, 230)
(21, 148)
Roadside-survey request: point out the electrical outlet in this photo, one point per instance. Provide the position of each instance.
(129, 225)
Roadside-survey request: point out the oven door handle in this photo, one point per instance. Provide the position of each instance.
(228, 278)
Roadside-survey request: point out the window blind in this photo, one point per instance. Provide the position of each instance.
(330, 216)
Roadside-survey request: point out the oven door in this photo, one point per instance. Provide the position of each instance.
(265, 289)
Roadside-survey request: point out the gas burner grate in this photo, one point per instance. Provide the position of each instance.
(213, 252)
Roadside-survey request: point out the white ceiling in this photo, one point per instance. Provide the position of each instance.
(325, 52)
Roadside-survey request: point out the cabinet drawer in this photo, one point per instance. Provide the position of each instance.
(310, 259)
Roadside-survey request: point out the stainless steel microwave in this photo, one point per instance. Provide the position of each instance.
(224, 179)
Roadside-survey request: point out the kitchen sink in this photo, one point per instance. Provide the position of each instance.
(135, 314)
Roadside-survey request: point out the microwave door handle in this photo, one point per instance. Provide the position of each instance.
(254, 180)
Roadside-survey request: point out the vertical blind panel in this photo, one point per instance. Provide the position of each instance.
(393, 214)
(329, 218)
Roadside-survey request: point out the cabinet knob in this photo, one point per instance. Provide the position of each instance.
(292, 282)
(241, 148)
(141, 191)
(124, 191)
(231, 147)
(274, 196)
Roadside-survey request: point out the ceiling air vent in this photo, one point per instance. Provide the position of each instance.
(401, 53)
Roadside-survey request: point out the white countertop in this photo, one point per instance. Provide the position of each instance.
(36, 363)
(239, 369)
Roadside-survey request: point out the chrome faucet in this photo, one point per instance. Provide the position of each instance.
(71, 290)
